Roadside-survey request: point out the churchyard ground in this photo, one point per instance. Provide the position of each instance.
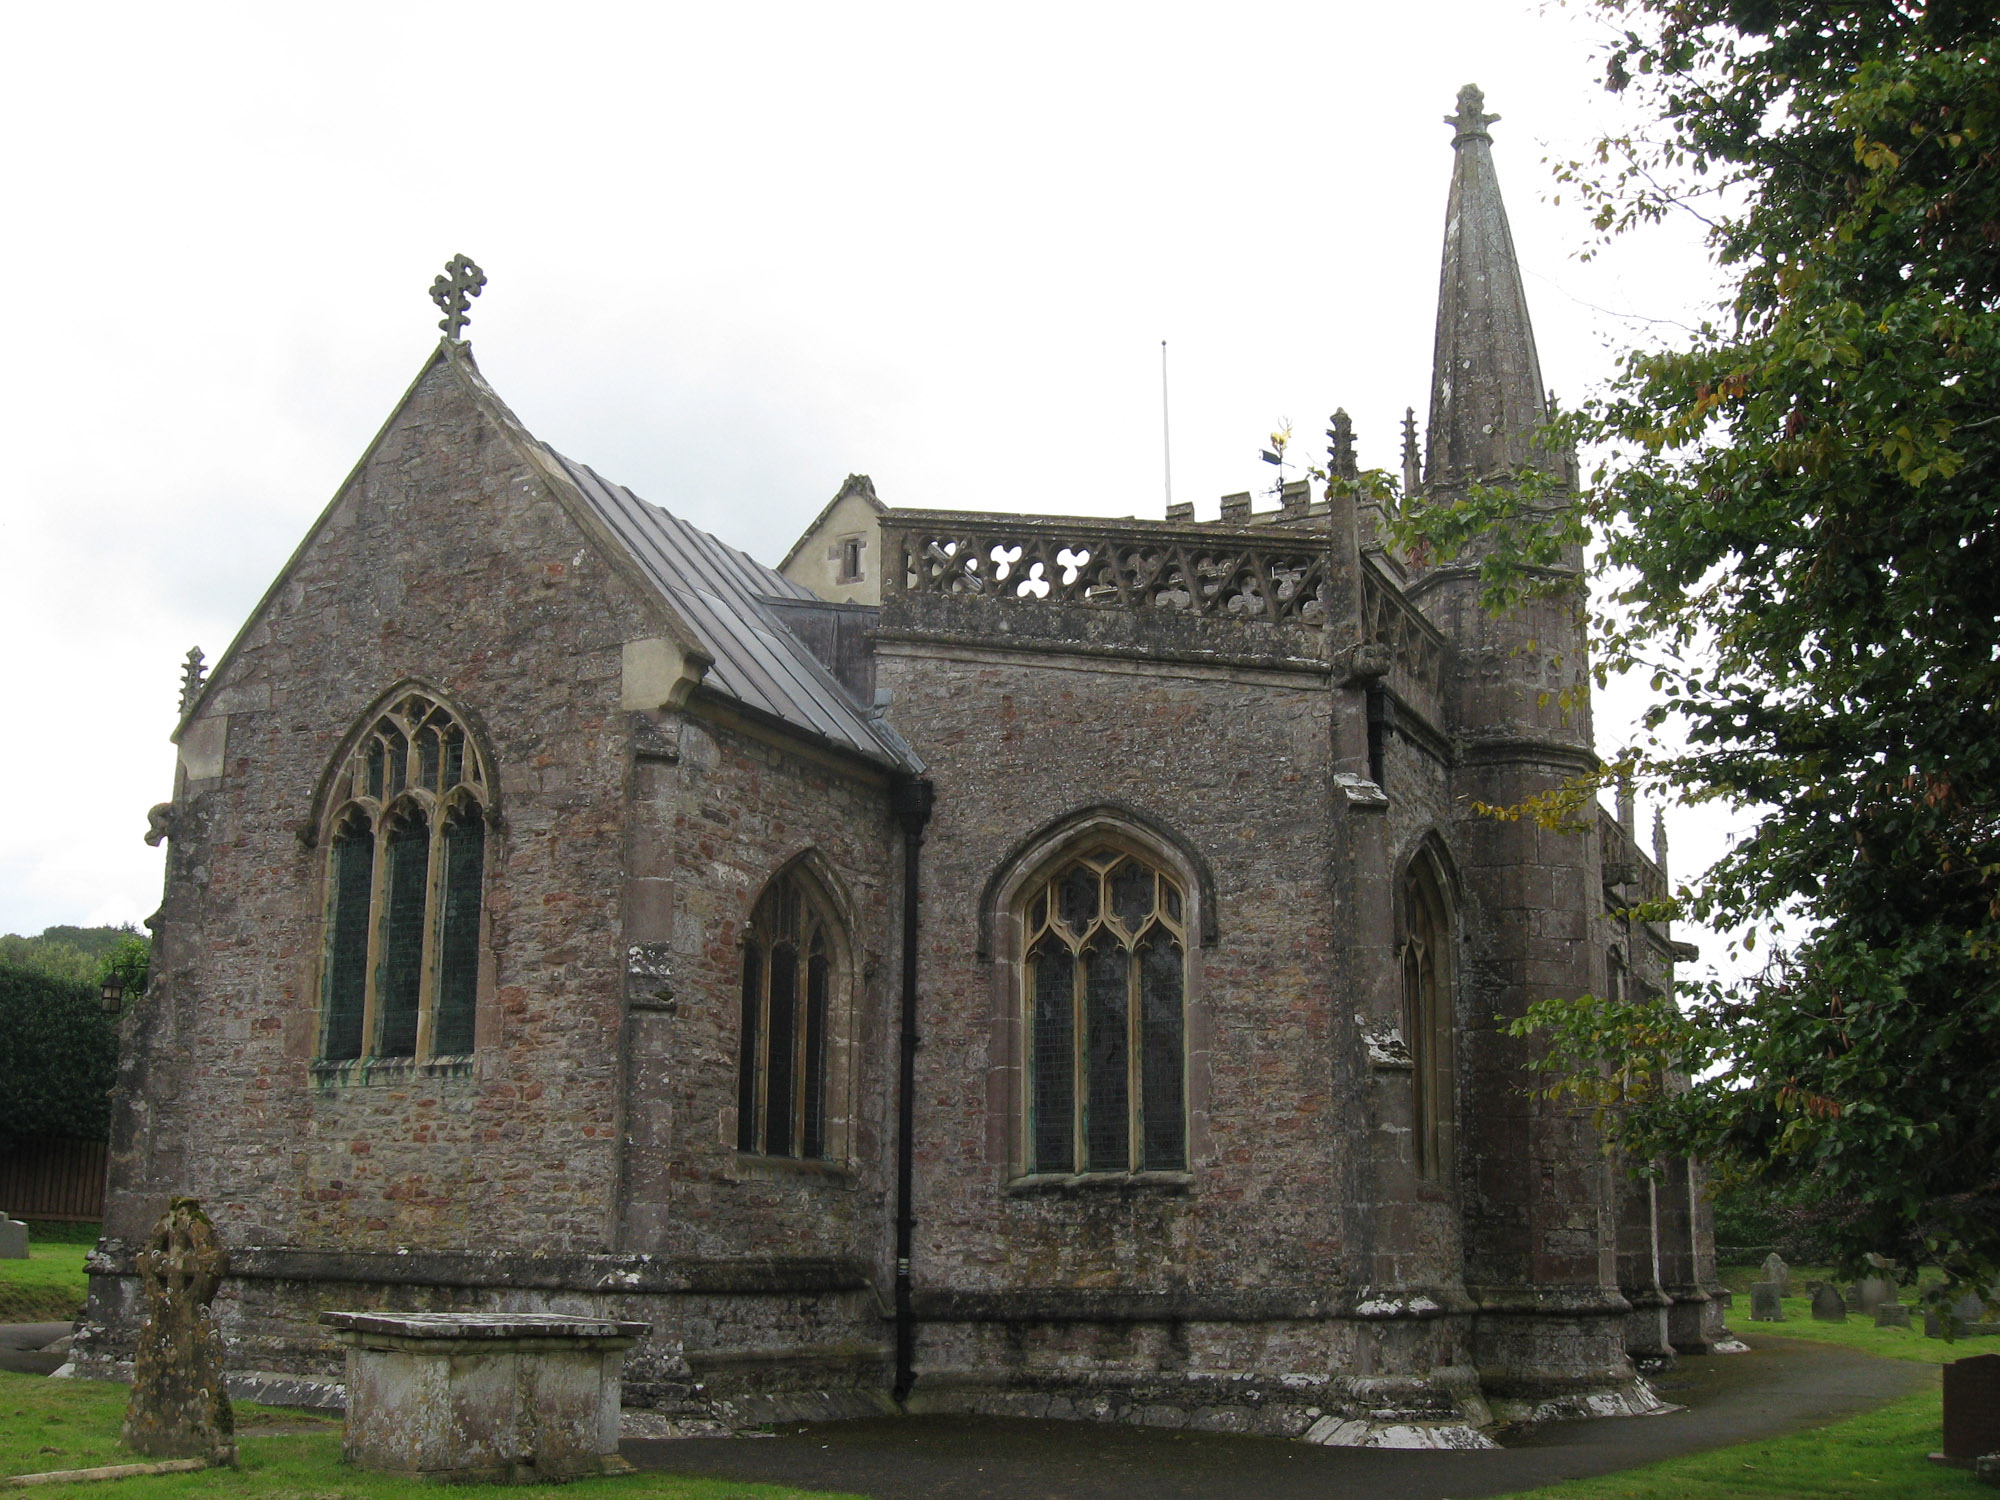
(49, 1286)
(288, 1455)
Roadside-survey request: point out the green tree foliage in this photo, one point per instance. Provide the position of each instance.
(58, 1057)
(77, 953)
(1797, 532)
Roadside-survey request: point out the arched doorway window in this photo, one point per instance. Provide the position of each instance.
(1104, 992)
(1427, 1010)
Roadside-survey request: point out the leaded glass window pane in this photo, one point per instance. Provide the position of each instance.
(753, 1035)
(818, 975)
(1132, 894)
(427, 760)
(1054, 1057)
(458, 937)
(399, 986)
(780, 1067)
(1162, 1021)
(1107, 1118)
(347, 946)
(1076, 899)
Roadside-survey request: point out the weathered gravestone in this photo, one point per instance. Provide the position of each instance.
(13, 1238)
(179, 1408)
(1776, 1271)
(1892, 1315)
(1970, 1313)
(1827, 1305)
(498, 1398)
(1971, 1408)
(1765, 1306)
(1871, 1292)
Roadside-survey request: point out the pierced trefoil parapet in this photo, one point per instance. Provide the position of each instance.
(1278, 578)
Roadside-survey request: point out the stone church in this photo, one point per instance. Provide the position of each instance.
(1019, 964)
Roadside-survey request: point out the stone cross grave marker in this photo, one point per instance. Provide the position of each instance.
(179, 1408)
(1827, 1304)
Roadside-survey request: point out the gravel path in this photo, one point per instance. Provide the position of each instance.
(1782, 1385)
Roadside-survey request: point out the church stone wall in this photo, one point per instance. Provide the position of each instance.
(1234, 765)
(444, 559)
(723, 817)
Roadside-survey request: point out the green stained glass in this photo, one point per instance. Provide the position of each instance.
(347, 945)
(400, 983)
(458, 932)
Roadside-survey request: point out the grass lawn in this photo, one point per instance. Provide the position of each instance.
(1881, 1453)
(47, 1287)
(284, 1455)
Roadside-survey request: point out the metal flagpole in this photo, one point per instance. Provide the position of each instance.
(1166, 427)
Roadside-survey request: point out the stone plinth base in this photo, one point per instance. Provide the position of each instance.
(483, 1397)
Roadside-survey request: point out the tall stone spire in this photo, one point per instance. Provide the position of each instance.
(1486, 383)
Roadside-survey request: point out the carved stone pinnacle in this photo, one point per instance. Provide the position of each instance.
(1471, 120)
(453, 293)
(191, 678)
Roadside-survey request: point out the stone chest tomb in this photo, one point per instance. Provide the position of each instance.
(1026, 964)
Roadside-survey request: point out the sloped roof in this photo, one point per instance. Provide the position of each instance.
(714, 589)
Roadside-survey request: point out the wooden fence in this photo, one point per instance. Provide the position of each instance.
(51, 1179)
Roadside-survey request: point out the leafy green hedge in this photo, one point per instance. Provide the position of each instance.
(58, 1058)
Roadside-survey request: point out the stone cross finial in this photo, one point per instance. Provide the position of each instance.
(192, 674)
(453, 293)
(1471, 120)
(1340, 451)
(1413, 470)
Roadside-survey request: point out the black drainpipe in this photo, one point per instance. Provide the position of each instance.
(911, 800)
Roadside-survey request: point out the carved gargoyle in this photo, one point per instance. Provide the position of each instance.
(159, 823)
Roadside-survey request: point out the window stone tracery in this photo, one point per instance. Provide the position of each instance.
(406, 869)
(1104, 991)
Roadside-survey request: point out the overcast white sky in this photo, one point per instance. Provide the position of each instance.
(735, 252)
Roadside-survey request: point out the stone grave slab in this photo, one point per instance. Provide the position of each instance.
(13, 1238)
(484, 1397)
(1892, 1315)
(1827, 1304)
(1765, 1306)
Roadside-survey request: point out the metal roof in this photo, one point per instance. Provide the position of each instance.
(714, 590)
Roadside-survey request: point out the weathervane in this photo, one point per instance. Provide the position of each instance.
(453, 293)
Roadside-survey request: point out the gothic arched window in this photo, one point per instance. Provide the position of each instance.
(1427, 1010)
(1104, 991)
(784, 1061)
(406, 869)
